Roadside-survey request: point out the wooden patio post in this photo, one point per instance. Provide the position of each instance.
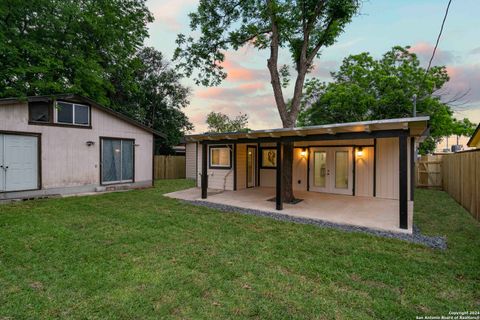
(403, 181)
(279, 195)
(412, 168)
(204, 177)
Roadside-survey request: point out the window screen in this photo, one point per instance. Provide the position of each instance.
(117, 160)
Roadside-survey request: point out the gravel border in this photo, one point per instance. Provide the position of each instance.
(435, 242)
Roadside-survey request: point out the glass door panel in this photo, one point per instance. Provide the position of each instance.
(331, 170)
(127, 160)
(117, 160)
(341, 169)
(320, 169)
(111, 160)
(251, 172)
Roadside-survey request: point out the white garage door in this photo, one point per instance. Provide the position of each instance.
(18, 162)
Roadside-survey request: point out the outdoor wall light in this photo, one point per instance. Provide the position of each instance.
(360, 151)
(303, 153)
(90, 143)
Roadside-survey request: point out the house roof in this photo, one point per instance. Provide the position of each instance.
(79, 98)
(475, 139)
(417, 126)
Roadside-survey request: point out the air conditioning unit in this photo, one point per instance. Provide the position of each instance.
(457, 147)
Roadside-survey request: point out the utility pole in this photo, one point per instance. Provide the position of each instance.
(414, 98)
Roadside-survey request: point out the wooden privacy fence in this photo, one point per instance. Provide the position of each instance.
(169, 167)
(429, 171)
(461, 179)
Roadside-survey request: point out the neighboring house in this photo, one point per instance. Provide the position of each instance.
(474, 141)
(367, 160)
(67, 144)
(452, 144)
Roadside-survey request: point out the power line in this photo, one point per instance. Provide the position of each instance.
(439, 36)
(414, 98)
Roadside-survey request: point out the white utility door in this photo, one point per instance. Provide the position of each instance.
(20, 162)
(331, 170)
(2, 171)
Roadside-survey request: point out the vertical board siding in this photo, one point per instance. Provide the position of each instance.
(364, 173)
(268, 177)
(217, 178)
(461, 179)
(387, 168)
(299, 174)
(191, 161)
(66, 159)
(169, 167)
(241, 166)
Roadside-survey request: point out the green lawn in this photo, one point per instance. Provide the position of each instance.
(137, 254)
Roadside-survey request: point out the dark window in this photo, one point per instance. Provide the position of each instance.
(39, 111)
(81, 114)
(72, 113)
(64, 112)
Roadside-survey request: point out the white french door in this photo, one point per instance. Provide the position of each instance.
(18, 162)
(2, 167)
(331, 170)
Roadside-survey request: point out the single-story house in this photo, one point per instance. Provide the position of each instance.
(358, 173)
(68, 144)
(474, 141)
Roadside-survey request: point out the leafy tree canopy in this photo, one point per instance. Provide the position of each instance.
(219, 122)
(293, 27)
(154, 96)
(302, 27)
(92, 48)
(368, 89)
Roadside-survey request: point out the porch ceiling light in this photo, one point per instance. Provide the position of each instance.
(303, 153)
(360, 151)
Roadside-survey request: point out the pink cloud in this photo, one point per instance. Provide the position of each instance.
(238, 73)
(238, 92)
(424, 52)
(261, 110)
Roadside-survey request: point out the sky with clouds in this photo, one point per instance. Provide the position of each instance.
(381, 25)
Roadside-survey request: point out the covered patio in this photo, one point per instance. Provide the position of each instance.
(358, 173)
(369, 212)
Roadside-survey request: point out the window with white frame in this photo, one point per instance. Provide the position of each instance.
(220, 157)
(72, 113)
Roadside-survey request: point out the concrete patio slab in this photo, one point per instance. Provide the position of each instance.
(370, 212)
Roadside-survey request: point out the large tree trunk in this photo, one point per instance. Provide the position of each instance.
(288, 115)
(287, 183)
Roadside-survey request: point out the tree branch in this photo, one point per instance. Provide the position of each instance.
(272, 64)
(320, 42)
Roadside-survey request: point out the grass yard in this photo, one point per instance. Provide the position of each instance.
(138, 254)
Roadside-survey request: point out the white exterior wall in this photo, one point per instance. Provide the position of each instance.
(221, 179)
(191, 161)
(66, 160)
(364, 173)
(388, 168)
(387, 165)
